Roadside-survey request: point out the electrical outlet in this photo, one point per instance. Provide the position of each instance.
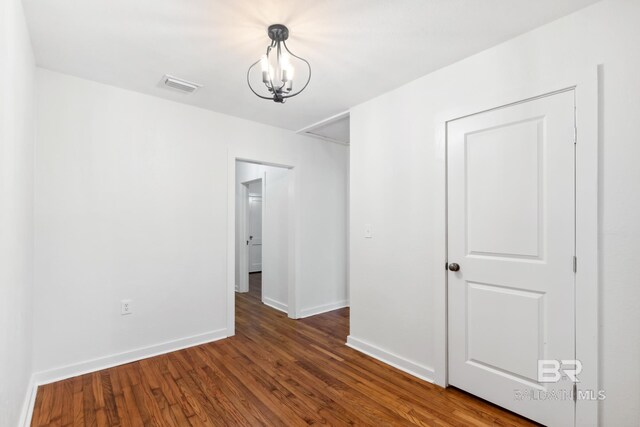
(126, 306)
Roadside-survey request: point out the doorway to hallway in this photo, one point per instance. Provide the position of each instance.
(263, 204)
(254, 225)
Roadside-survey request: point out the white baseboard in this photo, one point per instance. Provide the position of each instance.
(408, 366)
(319, 309)
(29, 403)
(275, 304)
(73, 370)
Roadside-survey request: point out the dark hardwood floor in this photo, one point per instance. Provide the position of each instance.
(275, 371)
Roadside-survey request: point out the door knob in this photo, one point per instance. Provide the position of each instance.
(454, 267)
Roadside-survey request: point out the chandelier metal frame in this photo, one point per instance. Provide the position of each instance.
(278, 34)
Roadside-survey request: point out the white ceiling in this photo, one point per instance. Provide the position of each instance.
(358, 48)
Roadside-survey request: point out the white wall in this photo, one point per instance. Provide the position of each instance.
(255, 188)
(131, 202)
(275, 229)
(275, 238)
(17, 132)
(395, 171)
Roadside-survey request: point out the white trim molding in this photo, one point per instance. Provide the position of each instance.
(97, 364)
(410, 367)
(29, 403)
(587, 181)
(309, 130)
(324, 308)
(280, 306)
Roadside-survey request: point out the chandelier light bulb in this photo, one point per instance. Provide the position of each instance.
(264, 65)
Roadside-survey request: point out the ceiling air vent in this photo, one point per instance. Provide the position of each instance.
(179, 84)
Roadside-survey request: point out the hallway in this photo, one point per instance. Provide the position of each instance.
(275, 371)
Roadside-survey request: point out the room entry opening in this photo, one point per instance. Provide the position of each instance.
(263, 202)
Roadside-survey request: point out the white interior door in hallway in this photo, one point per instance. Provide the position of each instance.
(254, 230)
(511, 247)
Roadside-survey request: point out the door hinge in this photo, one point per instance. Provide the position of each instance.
(575, 135)
(575, 264)
(575, 392)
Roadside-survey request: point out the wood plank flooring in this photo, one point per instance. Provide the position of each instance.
(275, 372)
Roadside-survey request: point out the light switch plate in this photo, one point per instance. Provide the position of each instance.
(368, 231)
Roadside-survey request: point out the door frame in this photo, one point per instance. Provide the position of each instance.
(293, 261)
(243, 261)
(587, 84)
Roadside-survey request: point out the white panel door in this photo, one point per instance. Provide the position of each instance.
(254, 239)
(511, 232)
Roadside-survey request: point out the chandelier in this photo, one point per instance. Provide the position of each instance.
(277, 70)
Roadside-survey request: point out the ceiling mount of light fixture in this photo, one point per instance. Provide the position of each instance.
(278, 32)
(276, 68)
